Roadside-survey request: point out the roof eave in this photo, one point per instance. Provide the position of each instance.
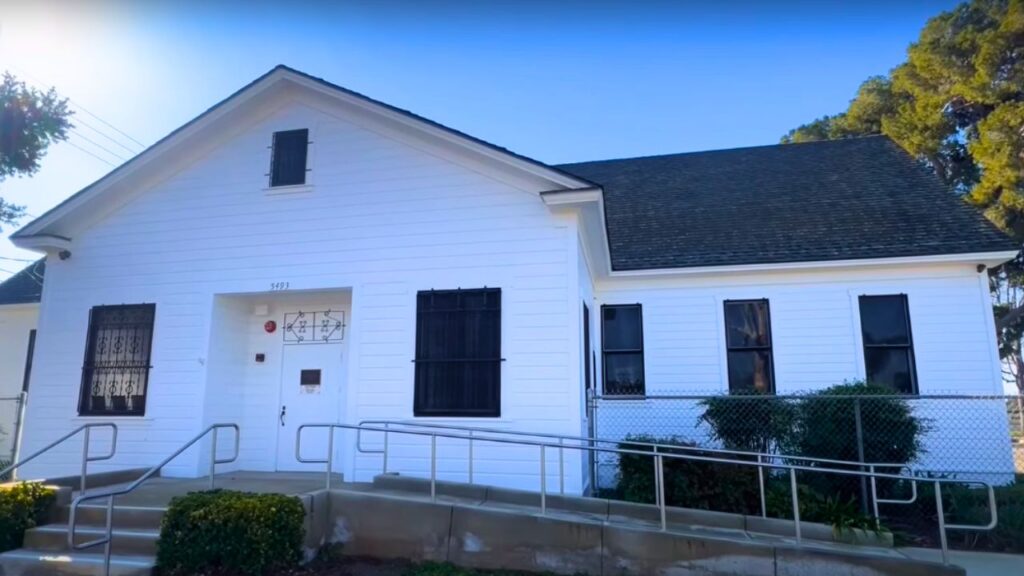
(981, 259)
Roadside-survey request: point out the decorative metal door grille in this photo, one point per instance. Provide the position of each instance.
(319, 327)
(117, 356)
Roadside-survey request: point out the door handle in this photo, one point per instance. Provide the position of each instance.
(283, 410)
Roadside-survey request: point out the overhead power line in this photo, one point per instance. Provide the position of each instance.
(104, 160)
(17, 259)
(100, 146)
(80, 122)
(39, 83)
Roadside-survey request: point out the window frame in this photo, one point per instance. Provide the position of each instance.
(605, 353)
(272, 182)
(88, 368)
(909, 346)
(494, 411)
(587, 345)
(770, 347)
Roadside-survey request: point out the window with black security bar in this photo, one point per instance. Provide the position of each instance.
(115, 375)
(748, 341)
(622, 348)
(458, 353)
(888, 343)
(288, 158)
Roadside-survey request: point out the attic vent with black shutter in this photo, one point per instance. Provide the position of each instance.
(288, 158)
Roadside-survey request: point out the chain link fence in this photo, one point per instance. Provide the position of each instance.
(11, 418)
(970, 438)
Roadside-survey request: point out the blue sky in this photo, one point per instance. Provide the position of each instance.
(556, 81)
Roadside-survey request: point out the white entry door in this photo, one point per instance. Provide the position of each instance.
(311, 381)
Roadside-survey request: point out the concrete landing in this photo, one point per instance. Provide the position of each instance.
(158, 492)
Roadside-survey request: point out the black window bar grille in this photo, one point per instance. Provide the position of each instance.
(115, 375)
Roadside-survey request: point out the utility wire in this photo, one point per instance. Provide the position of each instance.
(104, 160)
(42, 86)
(80, 122)
(100, 146)
(16, 259)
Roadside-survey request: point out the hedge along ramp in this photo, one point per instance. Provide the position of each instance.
(478, 527)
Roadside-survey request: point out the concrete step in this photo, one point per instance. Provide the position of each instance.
(40, 563)
(145, 517)
(54, 538)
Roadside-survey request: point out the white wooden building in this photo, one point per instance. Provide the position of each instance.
(301, 253)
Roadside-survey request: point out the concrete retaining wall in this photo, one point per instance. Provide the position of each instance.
(389, 526)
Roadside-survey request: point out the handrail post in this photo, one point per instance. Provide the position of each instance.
(942, 522)
(385, 470)
(433, 467)
(760, 483)
(657, 493)
(543, 483)
(19, 423)
(659, 465)
(85, 458)
(561, 467)
(874, 492)
(213, 455)
(796, 504)
(330, 454)
(109, 537)
(470, 456)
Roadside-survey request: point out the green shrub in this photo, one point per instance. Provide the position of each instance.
(688, 483)
(22, 506)
(236, 532)
(827, 427)
(752, 422)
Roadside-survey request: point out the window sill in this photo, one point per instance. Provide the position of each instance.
(117, 417)
(292, 189)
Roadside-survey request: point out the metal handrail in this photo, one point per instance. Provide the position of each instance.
(655, 446)
(659, 463)
(110, 493)
(86, 458)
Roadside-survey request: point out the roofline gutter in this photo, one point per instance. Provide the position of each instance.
(41, 242)
(987, 259)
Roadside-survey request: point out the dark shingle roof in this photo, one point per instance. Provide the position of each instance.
(25, 287)
(835, 200)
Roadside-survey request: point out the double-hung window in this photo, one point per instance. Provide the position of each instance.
(458, 353)
(288, 158)
(622, 345)
(115, 375)
(748, 339)
(888, 344)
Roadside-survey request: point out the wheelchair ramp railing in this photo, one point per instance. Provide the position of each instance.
(763, 463)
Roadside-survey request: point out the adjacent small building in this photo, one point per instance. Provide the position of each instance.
(19, 317)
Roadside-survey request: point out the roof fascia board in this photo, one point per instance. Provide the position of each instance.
(42, 242)
(986, 258)
(557, 177)
(588, 204)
